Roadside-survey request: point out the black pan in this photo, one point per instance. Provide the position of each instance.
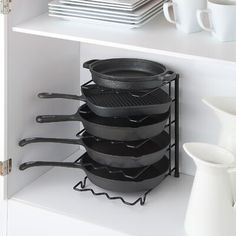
(128, 73)
(110, 103)
(116, 153)
(101, 176)
(123, 129)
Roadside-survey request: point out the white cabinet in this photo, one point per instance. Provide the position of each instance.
(45, 54)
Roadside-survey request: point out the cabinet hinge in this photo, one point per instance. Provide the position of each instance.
(5, 6)
(5, 167)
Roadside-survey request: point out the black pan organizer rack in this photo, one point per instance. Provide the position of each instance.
(173, 150)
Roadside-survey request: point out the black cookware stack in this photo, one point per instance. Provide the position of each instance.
(131, 127)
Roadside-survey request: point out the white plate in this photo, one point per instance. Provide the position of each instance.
(104, 5)
(125, 4)
(103, 23)
(102, 17)
(137, 13)
(113, 2)
(113, 19)
(106, 19)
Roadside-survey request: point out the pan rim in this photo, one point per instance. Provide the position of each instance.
(164, 135)
(157, 119)
(132, 78)
(145, 173)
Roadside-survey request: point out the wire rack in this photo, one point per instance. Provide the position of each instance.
(172, 87)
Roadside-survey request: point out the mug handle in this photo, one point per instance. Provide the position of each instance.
(200, 20)
(166, 11)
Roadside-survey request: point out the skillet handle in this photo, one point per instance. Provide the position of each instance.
(87, 64)
(57, 118)
(62, 95)
(30, 164)
(26, 141)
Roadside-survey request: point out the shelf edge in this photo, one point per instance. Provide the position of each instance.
(19, 29)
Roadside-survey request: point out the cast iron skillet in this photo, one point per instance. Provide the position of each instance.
(123, 129)
(110, 179)
(128, 73)
(113, 103)
(116, 153)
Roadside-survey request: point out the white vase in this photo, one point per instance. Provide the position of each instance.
(211, 210)
(225, 110)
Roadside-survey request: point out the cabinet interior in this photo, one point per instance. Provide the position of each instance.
(43, 64)
(52, 64)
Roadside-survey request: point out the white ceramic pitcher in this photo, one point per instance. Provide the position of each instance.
(225, 110)
(211, 210)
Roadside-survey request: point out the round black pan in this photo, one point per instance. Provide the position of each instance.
(128, 73)
(149, 179)
(110, 103)
(116, 153)
(122, 129)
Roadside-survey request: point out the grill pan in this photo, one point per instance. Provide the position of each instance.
(128, 73)
(110, 103)
(116, 153)
(101, 176)
(123, 129)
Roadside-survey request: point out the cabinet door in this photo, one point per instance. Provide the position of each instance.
(3, 45)
(3, 49)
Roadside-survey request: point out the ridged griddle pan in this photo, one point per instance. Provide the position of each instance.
(110, 103)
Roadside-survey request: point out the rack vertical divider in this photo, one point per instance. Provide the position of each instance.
(173, 121)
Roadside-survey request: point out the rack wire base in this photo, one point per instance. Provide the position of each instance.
(81, 187)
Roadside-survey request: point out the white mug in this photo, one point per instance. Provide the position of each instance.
(184, 14)
(222, 18)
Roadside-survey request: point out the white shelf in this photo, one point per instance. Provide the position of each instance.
(163, 213)
(158, 36)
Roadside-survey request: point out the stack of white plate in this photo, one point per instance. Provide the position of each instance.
(126, 13)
